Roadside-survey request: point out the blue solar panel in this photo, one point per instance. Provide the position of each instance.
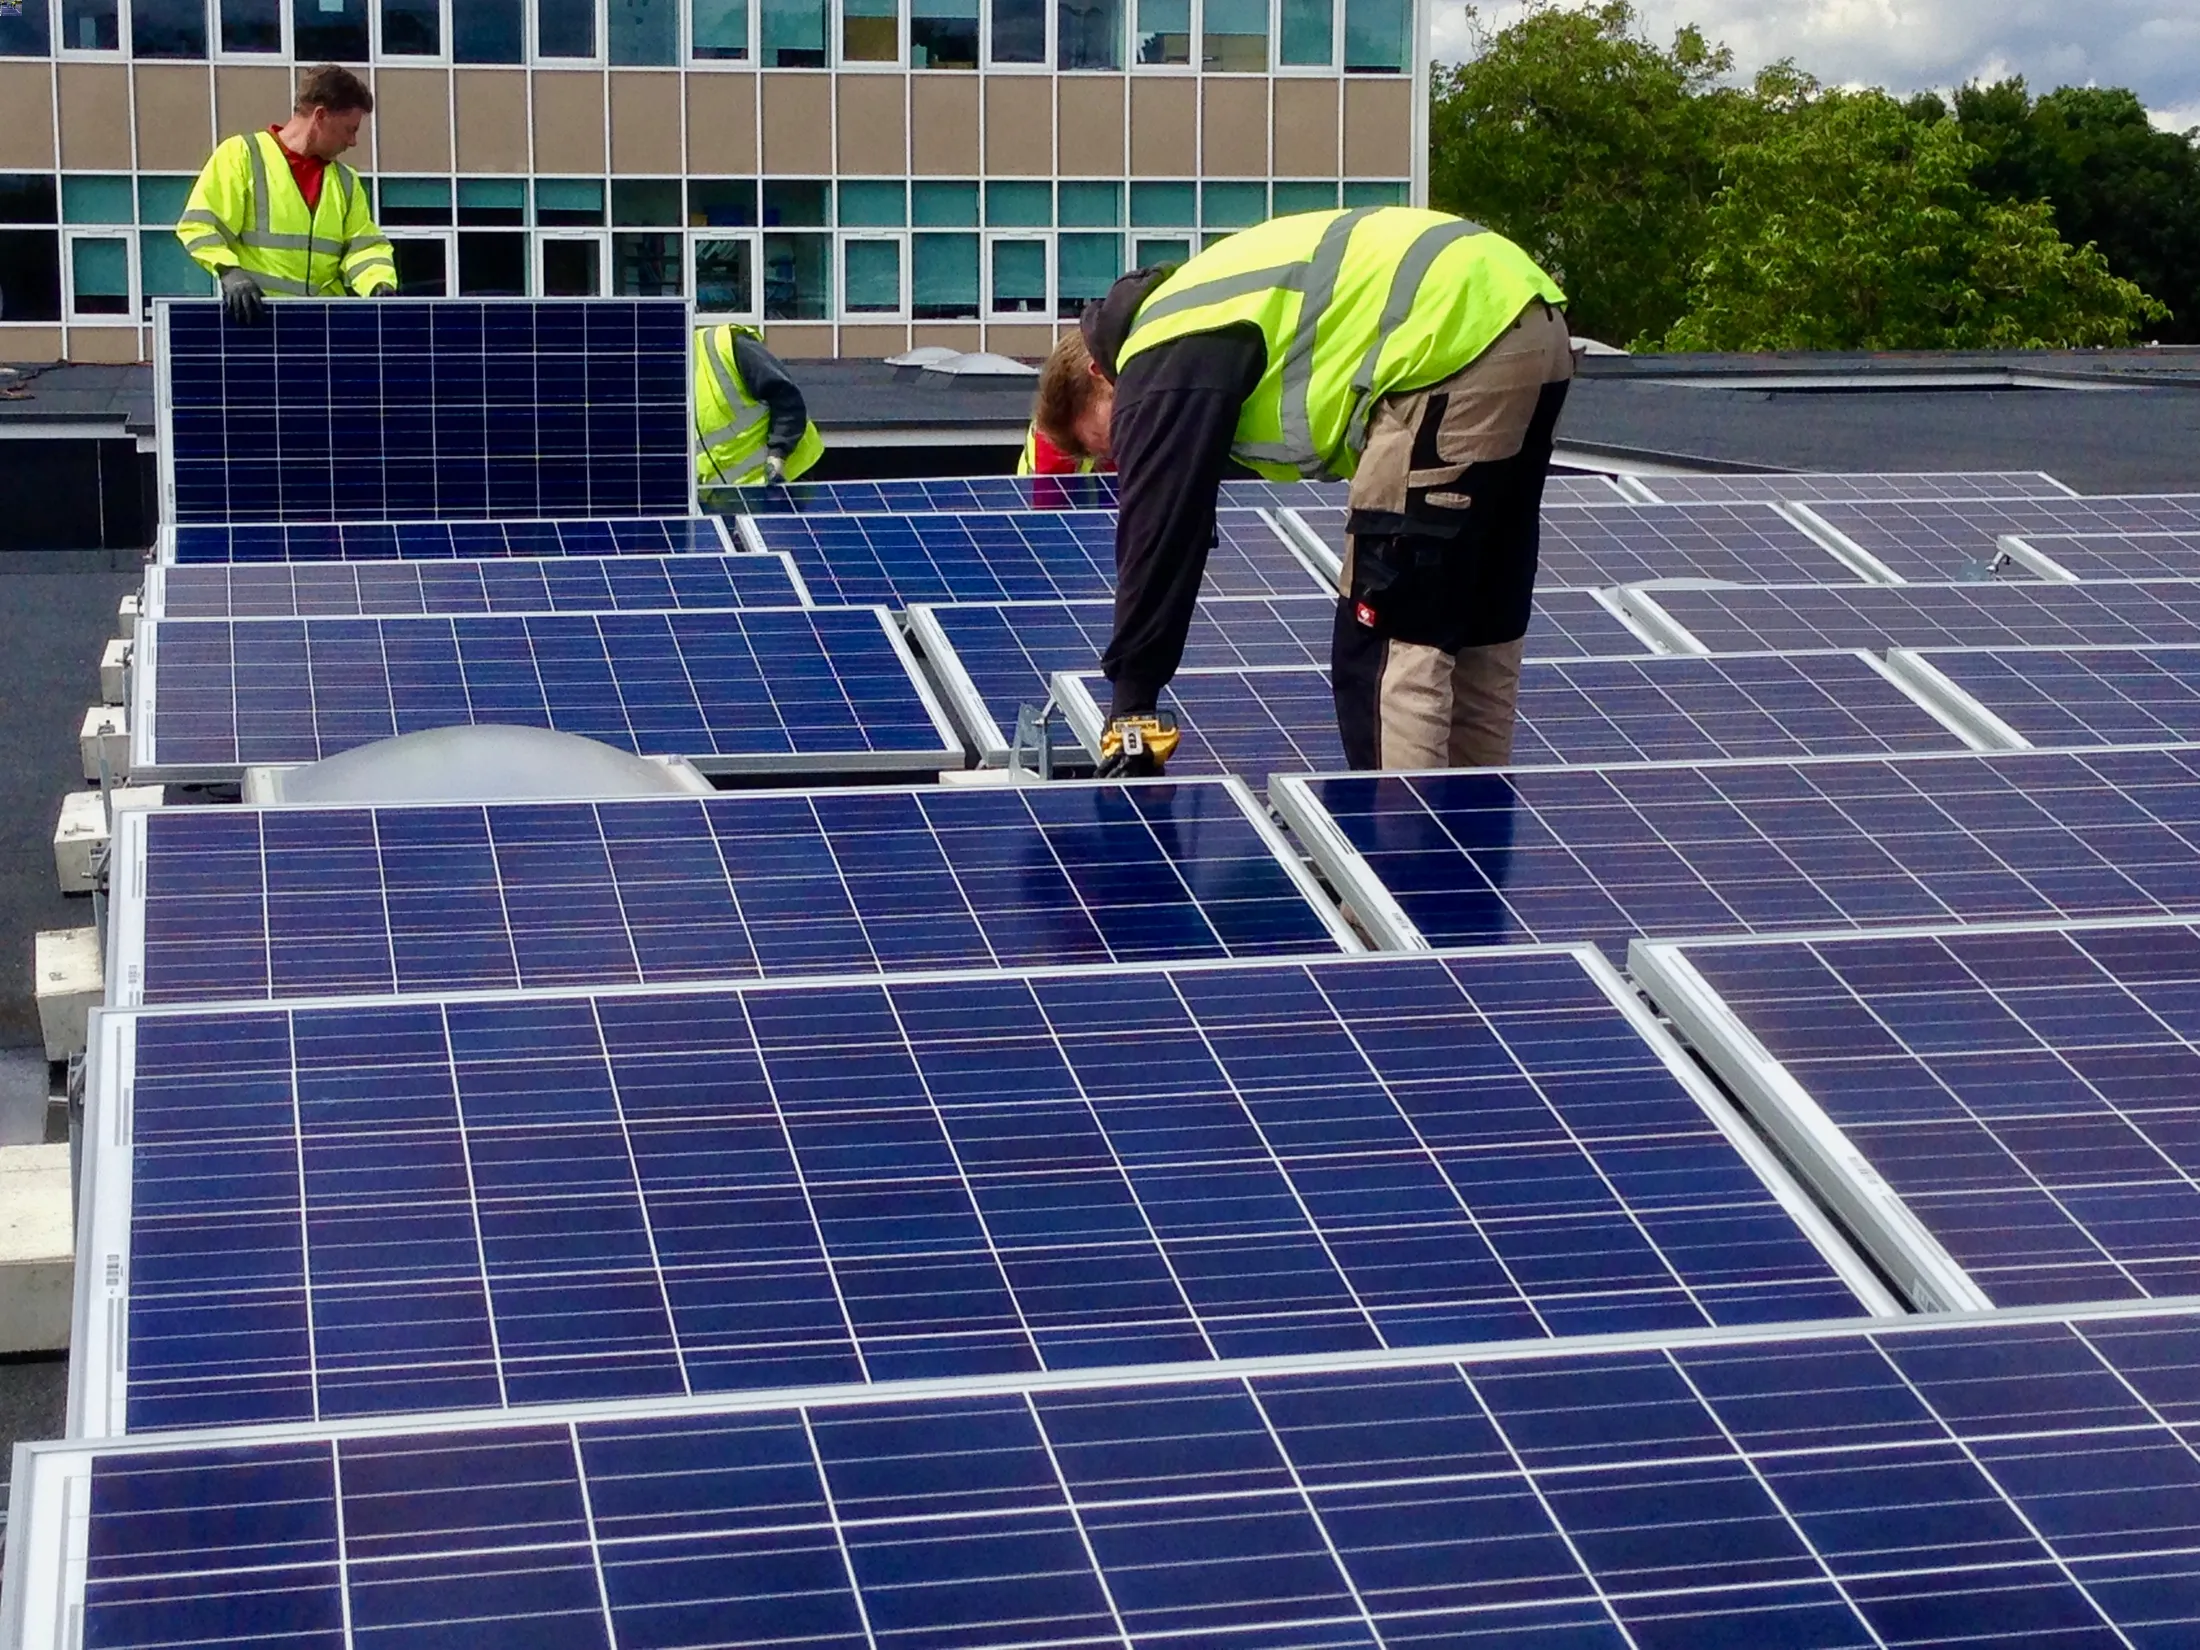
(2118, 555)
(1283, 720)
(1812, 489)
(335, 411)
(1606, 854)
(2028, 1095)
(899, 560)
(234, 904)
(2025, 1482)
(2080, 696)
(764, 689)
(294, 590)
(372, 1208)
(1789, 617)
(1927, 540)
(445, 540)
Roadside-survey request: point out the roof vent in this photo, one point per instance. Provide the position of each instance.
(982, 364)
(923, 357)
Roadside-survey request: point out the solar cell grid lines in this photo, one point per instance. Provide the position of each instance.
(2118, 555)
(504, 1202)
(2074, 696)
(191, 543)
(759, 689)
(1786, 618)
(1940, 539)
(1756, 848)
(1808, 488)
(953, 496)
(243, 905)
(2028, 1095)
(900, 560)
(375, 588)
(390, 411)
(2011, 1482)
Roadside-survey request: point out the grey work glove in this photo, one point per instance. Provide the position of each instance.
(775, 470)
(242, 300)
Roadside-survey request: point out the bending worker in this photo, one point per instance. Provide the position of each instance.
(1420, 356)
(276, 214)
(1042, 457)
(751, 424)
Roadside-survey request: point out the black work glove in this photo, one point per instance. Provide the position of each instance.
(242, 300)
(1137, 747)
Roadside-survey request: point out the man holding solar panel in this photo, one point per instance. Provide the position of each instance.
(1418, 355)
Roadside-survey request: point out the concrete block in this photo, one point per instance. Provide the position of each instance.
(126, 616)
(106, 730)
(83, 830)
(69, 984)
(37, 1247)
(114, 666)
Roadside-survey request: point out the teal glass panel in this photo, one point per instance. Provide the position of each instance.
(1375, 36)
(1164, 205)
(1233, 205)
(872, 278)
(1090, 206)
(943, 275)
(1019, 206)
(1019, 277)
(98, 200)
(1376, 194)
(872, 204)
(944, 206)
(1146, 251)
(162, 200)
(1303, 197)
(1306, 29)
(167, 270)
(1085, 266)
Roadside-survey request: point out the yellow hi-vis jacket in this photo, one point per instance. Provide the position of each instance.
(731, 424)
(246, 212)
(1354, 305)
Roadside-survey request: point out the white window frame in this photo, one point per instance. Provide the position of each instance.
(531, 276)
(1303, 71)
(134, 297)
(437, 59)
(428, 232)
(1275, 44)
(899, 238)
(753, 16)
(837, 22)
(1130, 45)
(117, 53)
(598, 238)
(986, 63)
(283, 56)
(832, 275)
(753, 239)
(994, 239)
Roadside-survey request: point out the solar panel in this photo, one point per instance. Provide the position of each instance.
(1940, 540)
(1283, 719)
(2071, 696)
(900, 560)
(845, 498)
(339, 411)
(2017, 1481)
(991, 659)
(1584, 490)
(1755, 848)
(442, 540)
(1782, 618)
(2111, 555)
(497, 1203)
(1814, 488)
(2006, 1116)
(779, 690)
(294, 590)
(216, 905)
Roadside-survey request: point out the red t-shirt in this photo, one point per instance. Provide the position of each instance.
(1049, 460)
(305, 168)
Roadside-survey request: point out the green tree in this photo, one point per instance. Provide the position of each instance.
(1598, 151)
(1852, 225)
(2092, 154)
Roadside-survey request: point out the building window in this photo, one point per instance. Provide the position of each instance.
(165, 270)
(647, 265)
(1304, 197)
(1165, 31)
(1148, 252)
(252, 25)
(1375, 36)
(943, 34)
(1394, 192)
(412, 28)
(1091, 206)
(1236, 36)
(97, 200)
(1085, 266)
(721, 30)
(23, 32)
(168, 28)
(945, 206)
(492, 263)
(30, 259)
(1306, 41)
(867, 203)
(501, 202)
(90, 26)
(871, 276)
(795, 203)
(329, 31)
(722, 203)
(644, 32)
(99, 277)
(161, 200)
(403, 201)
(572, 266)
(725, 275)
(645, 203)
(798, 277)
(568, 203)
(423, 265)
(564, 28)
(794, 34)
(1088, 34)
(870, 31)
(1019, 206)
(1019, 31)
(1164, 205)
(1018, 283)
(488, 31)
(944, 284)
(1232, 205)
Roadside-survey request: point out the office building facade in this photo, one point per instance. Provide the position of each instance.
(856, 176)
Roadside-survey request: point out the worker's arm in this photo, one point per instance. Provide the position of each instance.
(369, 263)
(768, 382)
(1176, 411)
(220, 205)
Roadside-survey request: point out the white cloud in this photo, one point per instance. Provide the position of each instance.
(2151, 46)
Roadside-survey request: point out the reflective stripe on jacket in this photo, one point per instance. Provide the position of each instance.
(247, 212)
(1352, 305)
(731, 424)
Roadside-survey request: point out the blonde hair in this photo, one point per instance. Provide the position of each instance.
(1067, 389)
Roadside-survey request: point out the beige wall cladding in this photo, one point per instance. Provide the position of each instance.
(798, 125)
(26, 116)
(873, 343)
(412, 120)
(112, 346)
(872, 124)
(246, 99)
(175, 117)
(1030, 343)
(1378, 128)
(721, 123)
(1019, 126)
(964, 338)
(1091, 125)
(645, 123)
(1164, 124)
(943, 125)
(490, 110)
(799, 343)
(95, 116)
(1306, 129)
(569, 134)
(1233, 130)
(34, 344)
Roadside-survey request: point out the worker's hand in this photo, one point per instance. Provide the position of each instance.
(1137, 747)
(775, 470)
(242, 300)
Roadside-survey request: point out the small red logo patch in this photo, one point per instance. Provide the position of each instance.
(1364, 613)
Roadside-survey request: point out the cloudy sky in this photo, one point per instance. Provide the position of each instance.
(2152, 46)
